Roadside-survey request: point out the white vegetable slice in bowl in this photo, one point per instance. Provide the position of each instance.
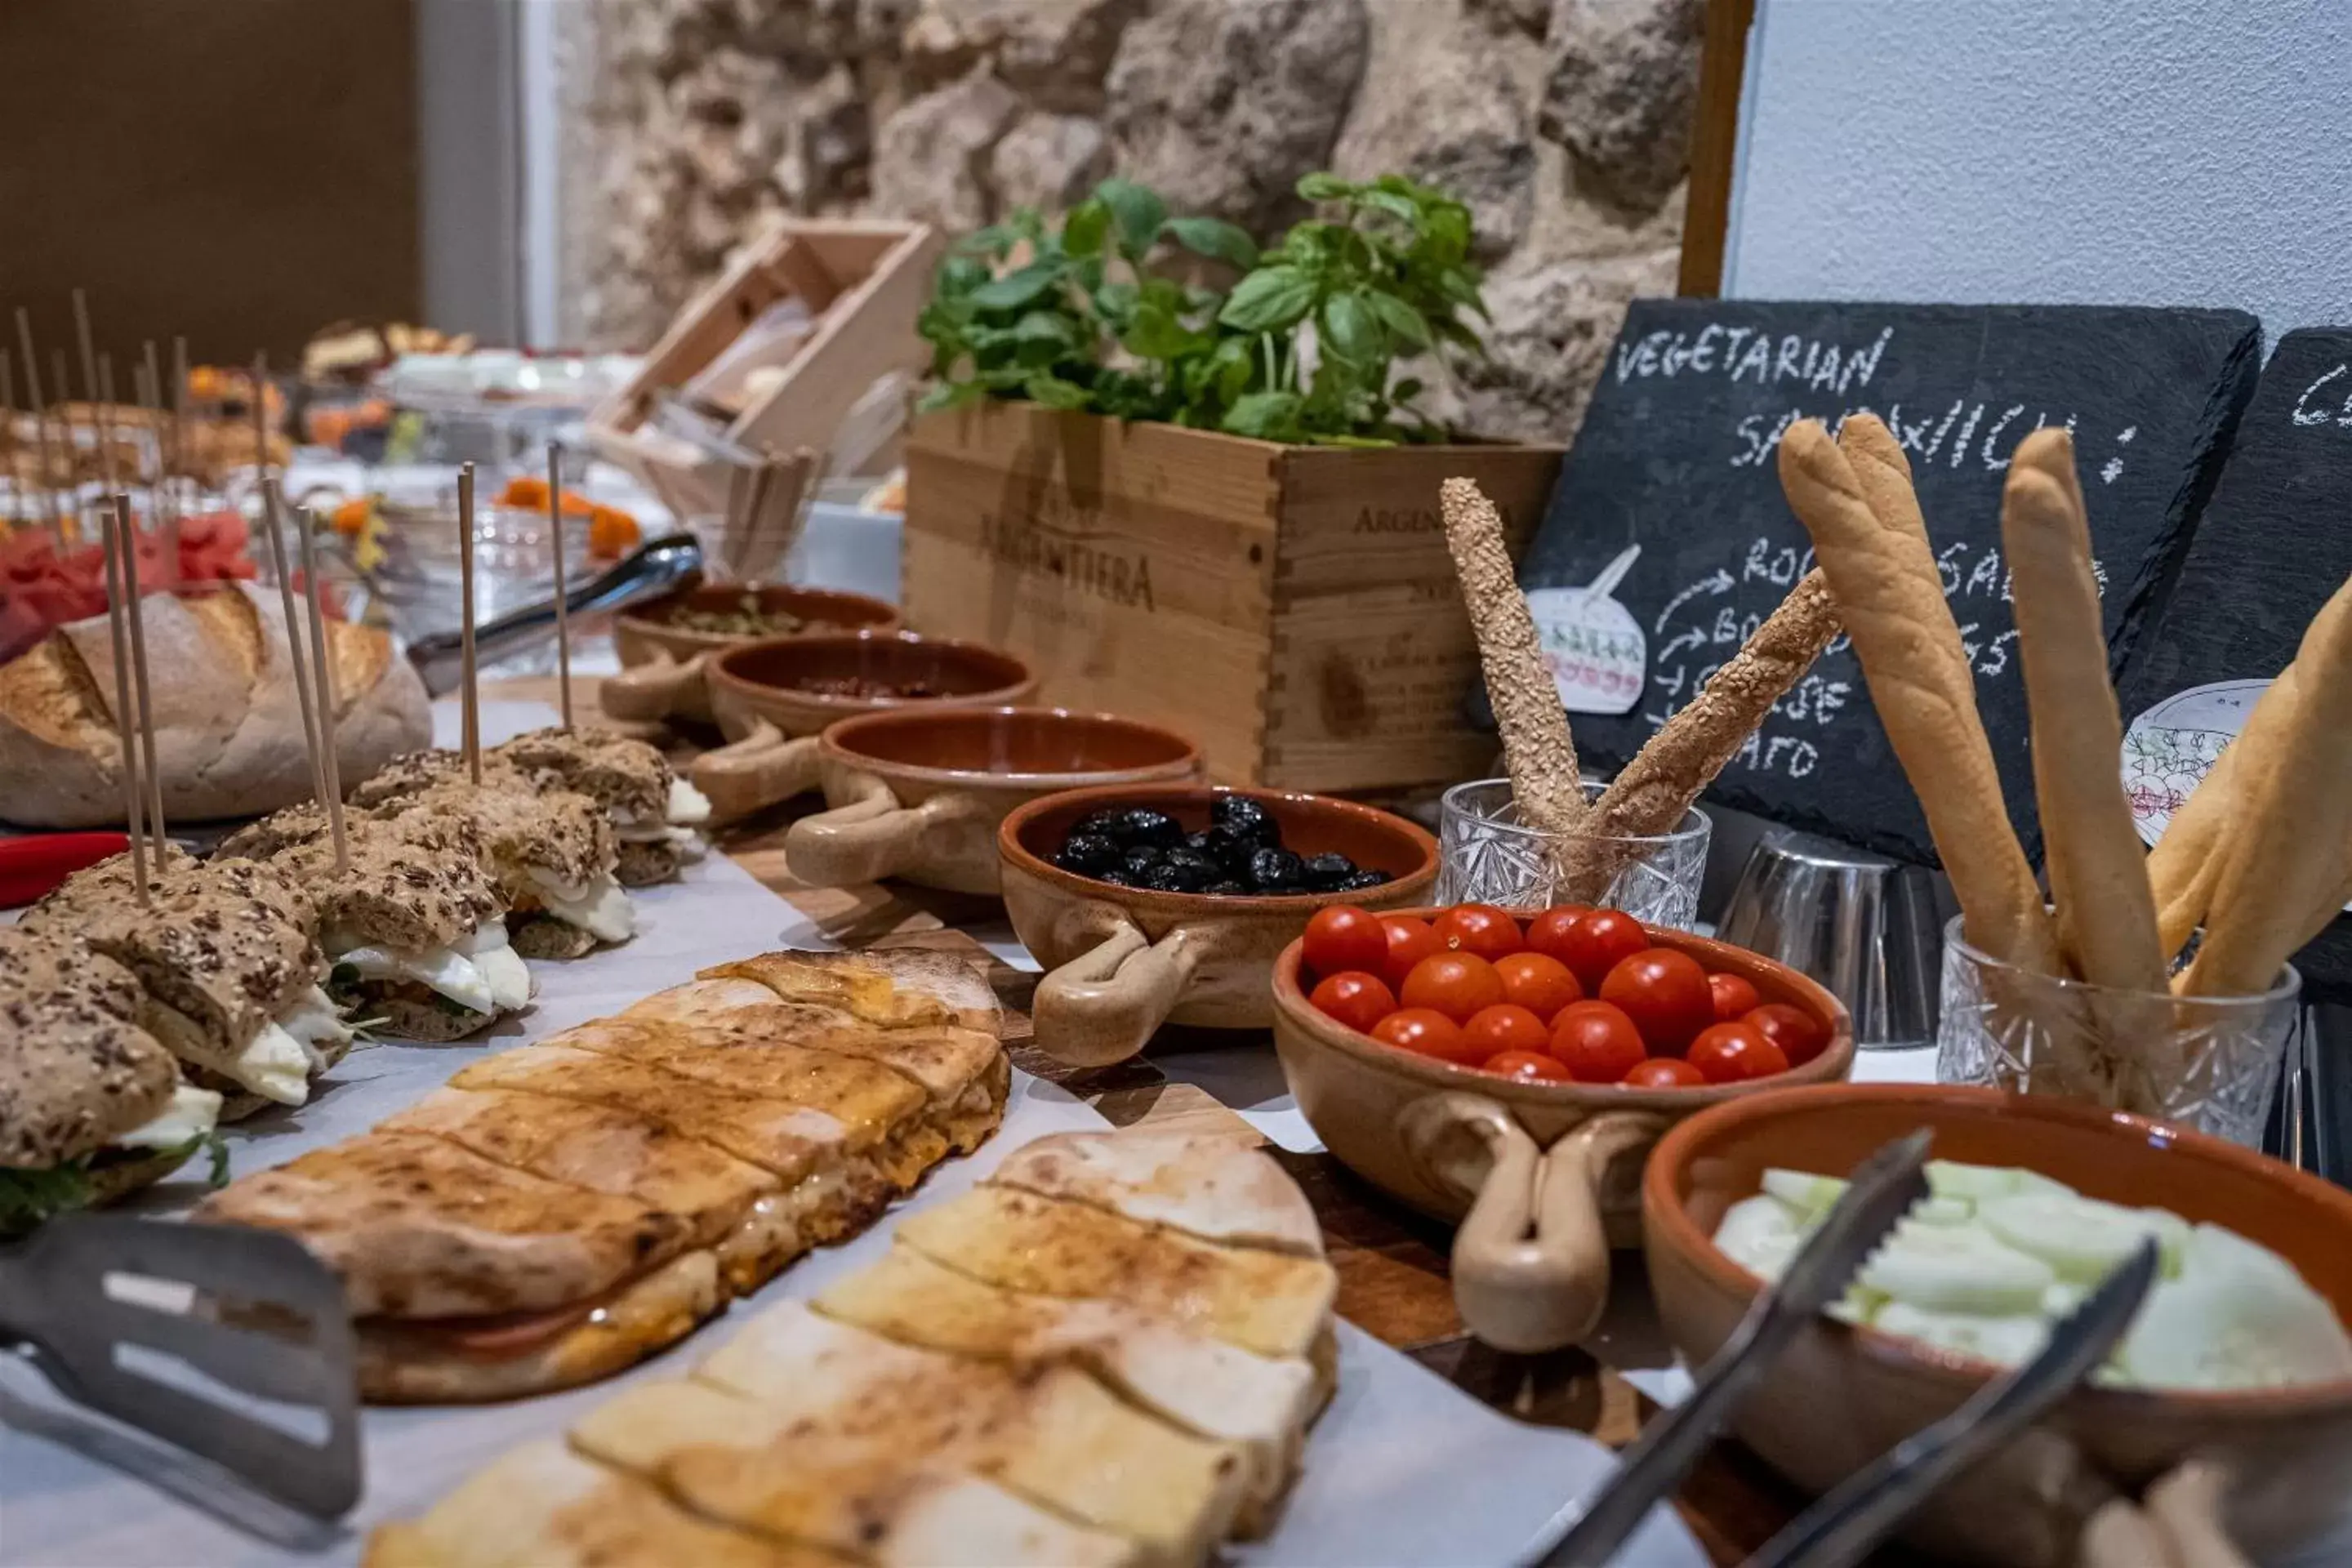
(1949, 1178)
(1956, 1268)
(1809, 1195)
(1761, 1235)
(2081, 1239)
(2011, 1339)
(2250, 1329)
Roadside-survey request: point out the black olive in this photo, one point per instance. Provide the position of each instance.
(1088, 854)
(1244, 818)
(1227, 888)
(1167, 879)
(1141, 827)
(1367, 879)
(1329, 873)
(1135, 862)
(1278, 871)
(1187, 872)
(1116, 878)
(1205, 842)
(1101, 824)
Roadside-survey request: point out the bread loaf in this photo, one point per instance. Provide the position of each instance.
(228, 736)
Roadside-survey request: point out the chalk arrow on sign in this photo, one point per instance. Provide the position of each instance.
(1719, 583)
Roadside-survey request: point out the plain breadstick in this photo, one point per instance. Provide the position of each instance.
(2282, 872)
(2188, 856)
(1879, 566)
(1538, 751)
(2098, 869)
(1651, 793)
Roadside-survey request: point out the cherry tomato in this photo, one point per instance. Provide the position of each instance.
(1665, 994)
(1528, 1067)
(1665, 1072)
(1354, 998)
(1344, 938)
(1542, 985)
(1735, 1053)
(1481, 929)
(1798, 1035)
(1548, 932)
(1734, 997)
(1422, 1032)
(1597, 942)
(1409, 940)
(1491, 1031)
(1597, 1041)
(1454, 983)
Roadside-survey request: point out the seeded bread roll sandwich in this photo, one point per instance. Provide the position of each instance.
(414, 930)
(228, 965)
(550, 853)
(92, 1105)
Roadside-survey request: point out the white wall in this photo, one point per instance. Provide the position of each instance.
(2105, 152)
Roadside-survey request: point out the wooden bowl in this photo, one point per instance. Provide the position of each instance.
(757, 696)
(918, 793)
(662, 665)
(1124, 961)
(1560, 1163)
(1841, 1396)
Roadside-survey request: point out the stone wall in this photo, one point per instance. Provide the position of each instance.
(1563, 122)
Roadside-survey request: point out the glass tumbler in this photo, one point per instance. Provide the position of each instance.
(2208, 1062)
(1488, 854)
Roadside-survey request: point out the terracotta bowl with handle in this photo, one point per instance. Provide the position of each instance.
(769, 697)
(1544, 1178)
(918, 793)
(663, 664)
(1121, 962)
(1841, 1396)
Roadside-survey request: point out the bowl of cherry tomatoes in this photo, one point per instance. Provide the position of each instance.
(1512, 1071)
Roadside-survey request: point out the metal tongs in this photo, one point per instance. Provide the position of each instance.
(1845, 1523)
(233, 1343)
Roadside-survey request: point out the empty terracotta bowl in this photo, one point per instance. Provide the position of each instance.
(1841, 1396)
(1123, 961)
(773, 697)
(1545, 1178)
(663, 662)
(918, 793)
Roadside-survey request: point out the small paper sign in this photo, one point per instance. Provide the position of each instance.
(1599, 657)
(2168, 749)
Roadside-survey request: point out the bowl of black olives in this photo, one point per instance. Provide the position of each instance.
(1167, 903)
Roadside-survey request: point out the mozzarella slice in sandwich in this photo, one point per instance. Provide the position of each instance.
(545, 1506)
(1269, 1302)
(193, 1113)
(1208, 1186)
(688, 809)
(480, 972)
(601, 908)
(1204, 1386)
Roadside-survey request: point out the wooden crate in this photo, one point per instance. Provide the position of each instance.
(1292, 609)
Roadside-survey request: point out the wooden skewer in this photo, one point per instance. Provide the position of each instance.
(272, 525)
(260, 416)
(179, 421)
(563, 610)
(137, 613)
(89, 359)
(40, 414)
(113, 536)
(329, 763)
(470, 701)
(102, 418)
(151, 398)
(68, 448)
(8, 429)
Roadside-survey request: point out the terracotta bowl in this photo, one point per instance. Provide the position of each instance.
(918, 793)
(1123, 961)
(662, 665)
(757, 698)
(1841, 1396)
(1545, 1178)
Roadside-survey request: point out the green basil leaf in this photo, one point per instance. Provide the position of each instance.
(1115, 303)
(1268, 299)
(1391, 203)
(1139, 210)
(1054, 393)
(1158, 334)
(1405, 391)
(1083, 230)
(1350, 330)
(951, 395)
(1323, 187)
(1214, 238)
(1269, 416)
(1017, 289)
(960, 274)
(1404, 323)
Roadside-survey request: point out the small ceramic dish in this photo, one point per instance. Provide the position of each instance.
(1123, 961)
(662, 663)
(918, 793)
(1841, 1396)
(760, 696)
(1545, 1178)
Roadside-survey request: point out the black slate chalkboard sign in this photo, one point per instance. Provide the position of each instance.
(2275, 543)
(1677, 453)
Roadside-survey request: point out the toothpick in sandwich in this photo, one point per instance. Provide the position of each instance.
(563, 609)
(2098, 866)
(1538, 752)
(135, 612)
(111, 539)
(470, 698)
(330, 764)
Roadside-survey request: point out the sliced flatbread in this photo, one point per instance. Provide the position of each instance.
(1218, 1188)
(1268, 1302)
(896, 986)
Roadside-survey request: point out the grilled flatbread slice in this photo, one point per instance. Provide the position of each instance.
(1217, 1188)
(419, 1228)
(1203, 1385)
(896, 987)
(825, 1414)
(543, 1506)
(945, 1058)
(1268, 1302)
